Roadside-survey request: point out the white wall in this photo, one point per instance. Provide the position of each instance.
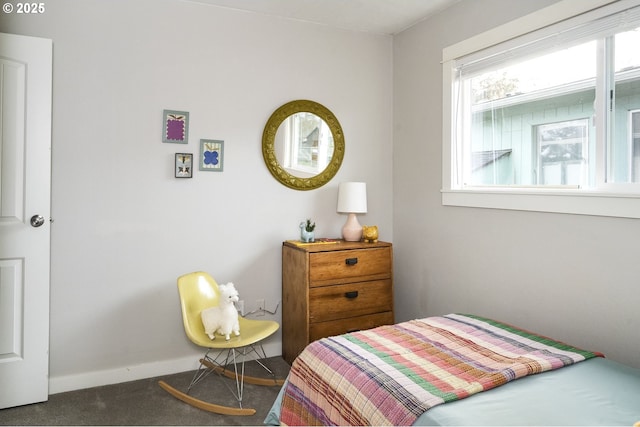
(125, 228)
(574, 278)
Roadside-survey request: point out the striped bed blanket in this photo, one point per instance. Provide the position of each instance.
(390, 375)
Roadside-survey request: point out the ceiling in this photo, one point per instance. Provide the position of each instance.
(374, 16)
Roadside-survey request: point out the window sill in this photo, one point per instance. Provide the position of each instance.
(580, 202)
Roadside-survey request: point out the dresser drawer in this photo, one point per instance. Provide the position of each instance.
(331, 289)
(349, 300)
(352, 324)
(344, 266)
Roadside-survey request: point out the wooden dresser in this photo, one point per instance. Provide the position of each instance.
(331, 289)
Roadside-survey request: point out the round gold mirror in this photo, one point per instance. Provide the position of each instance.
(303, 145)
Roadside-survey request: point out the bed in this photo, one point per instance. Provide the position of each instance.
(454, 370)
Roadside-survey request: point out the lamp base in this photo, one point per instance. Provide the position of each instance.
(352, 230)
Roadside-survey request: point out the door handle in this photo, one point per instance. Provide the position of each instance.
(37, 220)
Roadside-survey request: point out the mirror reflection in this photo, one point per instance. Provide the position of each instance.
(304, 144)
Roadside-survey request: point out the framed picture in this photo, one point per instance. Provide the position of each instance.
(184, 165)
(175, 126)
(211, 155)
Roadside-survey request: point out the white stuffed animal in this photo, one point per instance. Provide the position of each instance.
(222, 318)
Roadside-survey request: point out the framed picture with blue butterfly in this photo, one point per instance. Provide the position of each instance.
(211, 155)
(184, 165)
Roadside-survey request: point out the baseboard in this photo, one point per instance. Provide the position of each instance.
(60, 384)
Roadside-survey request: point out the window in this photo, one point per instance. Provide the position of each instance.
(545, 115)
(561, 153)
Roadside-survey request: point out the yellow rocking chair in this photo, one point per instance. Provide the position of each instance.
(198, 291)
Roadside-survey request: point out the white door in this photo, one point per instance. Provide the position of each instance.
(25, 199)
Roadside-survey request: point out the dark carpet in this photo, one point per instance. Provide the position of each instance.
(143, 402)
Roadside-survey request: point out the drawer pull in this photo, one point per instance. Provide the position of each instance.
(351, 261)
(351, 295)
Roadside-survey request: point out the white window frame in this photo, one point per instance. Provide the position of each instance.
(608, 199)
(633, 173)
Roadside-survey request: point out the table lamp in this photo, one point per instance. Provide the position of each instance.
(352, 199)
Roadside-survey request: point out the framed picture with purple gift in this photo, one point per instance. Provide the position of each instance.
(184, 165)
(211, 155)
(175, 126)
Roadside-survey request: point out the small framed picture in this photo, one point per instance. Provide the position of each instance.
(211, 155)
(184, 165)
(175, 126)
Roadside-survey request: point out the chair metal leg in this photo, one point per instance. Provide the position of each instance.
(238, 377)
(221, 364)
(201, 373)
(238, 374)
(259, 351)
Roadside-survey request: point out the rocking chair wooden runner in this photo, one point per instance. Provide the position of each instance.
(197, 291)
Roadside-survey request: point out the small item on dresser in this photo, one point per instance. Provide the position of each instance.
(223, 318)
(370, 233)
(306, 231)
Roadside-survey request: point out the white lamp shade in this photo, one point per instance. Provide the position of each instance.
(352, 197)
